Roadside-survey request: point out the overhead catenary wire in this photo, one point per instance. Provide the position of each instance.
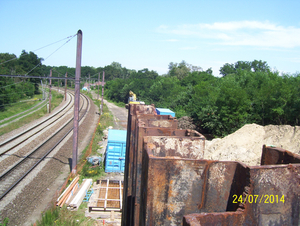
(10, 84)
(72, 36)
(51, 54)
(69, 74)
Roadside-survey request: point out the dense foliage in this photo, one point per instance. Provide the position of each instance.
(247, 92)
(14, 89)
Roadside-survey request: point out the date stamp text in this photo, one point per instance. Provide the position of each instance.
(258, 199)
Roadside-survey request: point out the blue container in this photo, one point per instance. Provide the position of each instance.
(115, 151)
(165, 111)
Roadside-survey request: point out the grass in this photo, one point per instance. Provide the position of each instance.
(106, 120)
(20, 107)
(62, 216)
(56, 100)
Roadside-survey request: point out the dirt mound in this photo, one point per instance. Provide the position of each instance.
(245, 145)
(186, 122)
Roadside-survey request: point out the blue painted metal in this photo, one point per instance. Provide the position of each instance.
(165, 111)
(116, 150)
(88, 195)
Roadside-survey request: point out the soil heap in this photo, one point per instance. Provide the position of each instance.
(245, 145)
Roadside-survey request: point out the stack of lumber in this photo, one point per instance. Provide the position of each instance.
(74, 194)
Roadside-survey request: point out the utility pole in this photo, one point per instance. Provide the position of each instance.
(76, 104)
(89, 83)
(43, 89)
(58, 81)
(66, 86)
(50, 96)
(98, 85)
(102, 92)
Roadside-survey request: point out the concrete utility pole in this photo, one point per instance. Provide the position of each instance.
(43, 90)
(66, 81)
(89, 83)
(76, 104)
(58, 82)
(50, 96)
(102, 92)
(98, 85)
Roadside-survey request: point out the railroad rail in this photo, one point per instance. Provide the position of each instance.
(20, 138)
(22, 114)
(11, 177)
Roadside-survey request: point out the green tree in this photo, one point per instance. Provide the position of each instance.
(31, 64)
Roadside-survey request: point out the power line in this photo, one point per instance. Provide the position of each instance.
(69, 74)
(9, 60)
(11, 84)
(55, 42)
(72, 36)
(51, 54)
(38, 77)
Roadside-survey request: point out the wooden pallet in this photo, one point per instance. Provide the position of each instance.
(107, 196)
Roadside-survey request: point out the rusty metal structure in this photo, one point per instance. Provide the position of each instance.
(167, 181)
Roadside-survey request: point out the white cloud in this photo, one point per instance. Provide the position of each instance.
(244, 33)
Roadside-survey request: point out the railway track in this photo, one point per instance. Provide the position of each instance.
(24, 113)
(21, 168)
(15, 141)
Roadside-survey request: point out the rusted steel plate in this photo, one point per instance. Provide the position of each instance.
(137, 164)
(143, 109)
(171, 185)
(167, 182)
(221, 182)
(272, 197)
(203, 219)
(182, 147)
(147, 112)
(273, 155)
(133, 110)
(165, 121)
(277, 188)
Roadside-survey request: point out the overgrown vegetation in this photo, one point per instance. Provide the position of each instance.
(14, 89)
(4, 221)
(20, 107)
(248, 92)
(56, 100)
(62, 216)
(106, 120)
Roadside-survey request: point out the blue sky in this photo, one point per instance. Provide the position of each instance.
(151, 34)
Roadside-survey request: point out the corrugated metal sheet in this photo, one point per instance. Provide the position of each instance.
(117, 136)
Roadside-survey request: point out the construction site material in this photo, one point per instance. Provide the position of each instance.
(165, 111)
(271, 198)
(80, 194)
(143, 122)
(107, 196)
(167, 181)
(72, 193)
(64, 196)
(94, 160)
(116, 151)
(245, 145)
(88, 195)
